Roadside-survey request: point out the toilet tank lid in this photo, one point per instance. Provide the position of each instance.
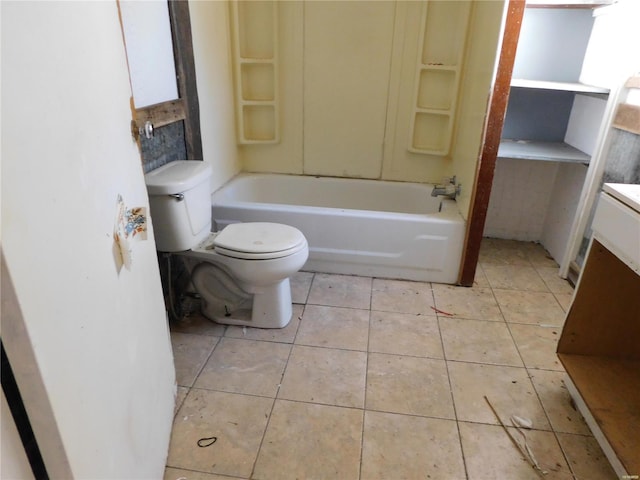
(177, 177)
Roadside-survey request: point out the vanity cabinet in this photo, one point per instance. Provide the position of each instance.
(599, 342)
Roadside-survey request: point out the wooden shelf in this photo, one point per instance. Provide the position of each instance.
(611, 389)
(544, 151)
(562, 86)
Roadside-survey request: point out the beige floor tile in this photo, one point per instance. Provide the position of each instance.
(340, 291)
(238, 422)
(300, 286)
(555, 398)
(502, 252)
(282, 335)
(245, 366)
(554, 282)
(480, 280)
(530, 307)
(401, 296)
(406, 447)
(537, 345)
(514, 277)
(181, 394)
(586, 458)
(564, 299)
(178, 474)
(325, 375)
(405, 334)
(538, 256)
(190, 352)
(508, 389)
(410, 385)
(490, 454)
(198, 324)
(476, 303)
(308, 441)
(334, 327)
(478, 341)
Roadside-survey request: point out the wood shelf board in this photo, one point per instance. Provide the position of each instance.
(562, 86)
(545, 151)
(610, 388)
(567, 3)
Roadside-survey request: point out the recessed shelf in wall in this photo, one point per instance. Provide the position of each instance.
(430, 132)
(254, 38)
(257, 80)
(259, 123)
(545, 151)
(563, 86)
(255, 29)
(436, 88)
(437, 77)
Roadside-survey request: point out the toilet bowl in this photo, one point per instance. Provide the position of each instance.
(240, 287)
(242, 272)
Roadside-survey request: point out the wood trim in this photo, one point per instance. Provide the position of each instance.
(492, 134)
(186, 73)
(627, 118)
(159, 115)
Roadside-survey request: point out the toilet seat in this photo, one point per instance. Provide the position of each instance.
(258, 241)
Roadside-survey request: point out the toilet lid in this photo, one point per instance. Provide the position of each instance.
(259, 240)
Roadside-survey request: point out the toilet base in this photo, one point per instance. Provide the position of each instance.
(270, 307)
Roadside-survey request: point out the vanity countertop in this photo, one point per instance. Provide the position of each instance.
(626, 193)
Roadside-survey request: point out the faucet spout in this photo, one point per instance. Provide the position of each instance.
(448, 189)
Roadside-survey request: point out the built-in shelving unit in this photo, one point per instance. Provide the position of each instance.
(255, 58)
(438, 76)
(541, 102)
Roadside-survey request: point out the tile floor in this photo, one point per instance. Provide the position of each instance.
(386, 379)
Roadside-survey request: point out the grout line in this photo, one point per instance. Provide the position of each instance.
(275, 397)
(366, 383)
(453, 401)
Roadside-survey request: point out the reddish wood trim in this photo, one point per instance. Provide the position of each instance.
(492, 133)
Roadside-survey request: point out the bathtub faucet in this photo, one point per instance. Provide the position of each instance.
(448, 188)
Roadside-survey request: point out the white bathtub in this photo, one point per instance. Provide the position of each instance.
(358, 227)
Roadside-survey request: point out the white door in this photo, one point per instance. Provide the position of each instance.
(89, 343)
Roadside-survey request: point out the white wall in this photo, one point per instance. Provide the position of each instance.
(612, 55)
(562, 208)
(99, 338)
(519, 200)
(211, 50)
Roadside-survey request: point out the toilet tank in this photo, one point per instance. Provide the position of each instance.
(180, 204)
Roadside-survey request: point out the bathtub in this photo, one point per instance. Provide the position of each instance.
(357, 227)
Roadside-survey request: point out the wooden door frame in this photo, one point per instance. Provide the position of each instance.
(186, 75)
(492, 133)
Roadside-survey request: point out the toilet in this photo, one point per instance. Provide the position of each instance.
(241, 272)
